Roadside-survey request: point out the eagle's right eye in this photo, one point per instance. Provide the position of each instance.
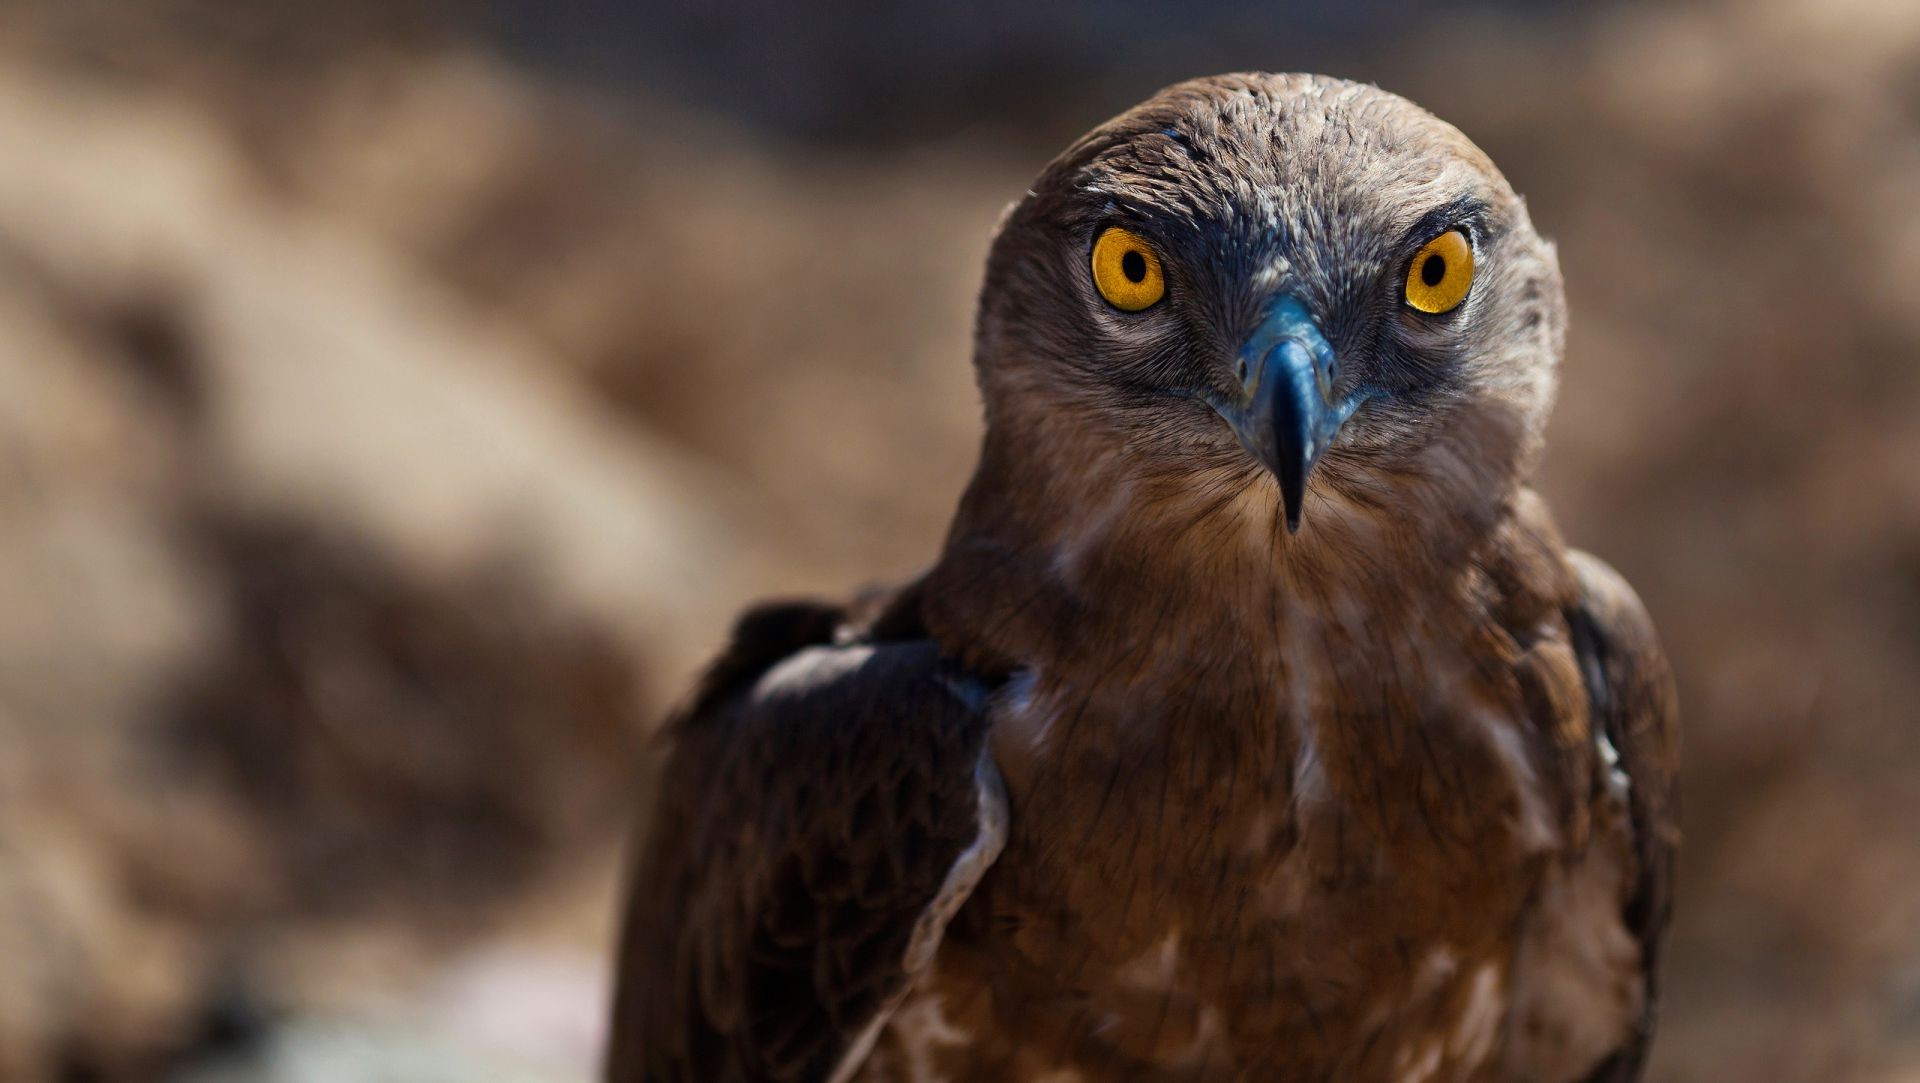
(1126, 271)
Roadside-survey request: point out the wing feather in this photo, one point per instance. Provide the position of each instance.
(826, 807)
(1634, 706)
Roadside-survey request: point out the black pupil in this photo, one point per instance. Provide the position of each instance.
(1134, 266)
(1433, 270)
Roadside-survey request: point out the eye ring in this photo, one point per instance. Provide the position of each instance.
(1127, 271)
(1440, 274)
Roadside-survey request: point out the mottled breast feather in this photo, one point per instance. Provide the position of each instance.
(825, 808)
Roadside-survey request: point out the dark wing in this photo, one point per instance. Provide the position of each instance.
(1634, 706)
(826, 808)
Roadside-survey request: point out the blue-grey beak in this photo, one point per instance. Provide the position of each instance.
(1286, 414)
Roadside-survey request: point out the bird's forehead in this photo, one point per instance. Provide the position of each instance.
(1281, 153)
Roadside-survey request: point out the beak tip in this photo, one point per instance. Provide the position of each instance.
(1292, 497)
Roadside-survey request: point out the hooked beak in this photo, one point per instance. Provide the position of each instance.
(1285, 414)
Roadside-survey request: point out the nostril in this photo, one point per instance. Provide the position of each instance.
(1240, 369)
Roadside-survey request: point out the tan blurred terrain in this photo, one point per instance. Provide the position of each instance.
(387, 427)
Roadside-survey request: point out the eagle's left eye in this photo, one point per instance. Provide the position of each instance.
(1440, 274)
(1126, 271)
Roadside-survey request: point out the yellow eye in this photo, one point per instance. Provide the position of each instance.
(1126, 270)
(1441, 273)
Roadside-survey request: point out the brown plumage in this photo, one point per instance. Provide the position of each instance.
(1386, 798)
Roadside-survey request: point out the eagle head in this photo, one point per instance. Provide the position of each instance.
(1299, 286)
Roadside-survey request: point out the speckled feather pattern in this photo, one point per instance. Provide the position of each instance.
(1387, 799)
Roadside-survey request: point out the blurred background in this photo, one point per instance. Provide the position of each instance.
(398, 397)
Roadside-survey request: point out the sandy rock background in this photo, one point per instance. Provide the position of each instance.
(396, 400)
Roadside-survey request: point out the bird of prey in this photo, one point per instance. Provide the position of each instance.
(1254, 721)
